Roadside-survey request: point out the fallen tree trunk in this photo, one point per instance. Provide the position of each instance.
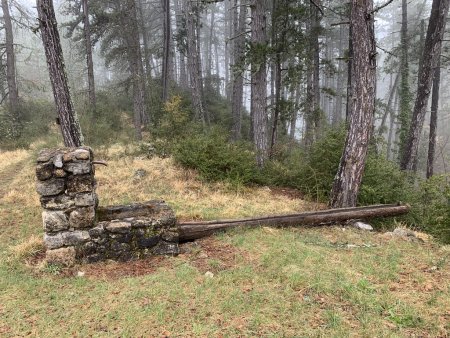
(196, 230)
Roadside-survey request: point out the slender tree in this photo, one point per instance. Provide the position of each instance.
(360, 120)
(259, 80)
(68, 120)
(431, 53)
(239, 68)
(433, 120)
(166, 48)
(89, 60)
(193, 57)
(13, 93)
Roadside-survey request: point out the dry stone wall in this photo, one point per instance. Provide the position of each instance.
(75, 229)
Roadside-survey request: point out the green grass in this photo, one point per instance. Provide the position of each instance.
(315, 282)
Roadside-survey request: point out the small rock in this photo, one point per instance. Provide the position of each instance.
(81, 154)
(58, 161)
(55, 220)
(140, 174)
(363, 226)
(209, 274)
(64, 256)
(82, 218)
(60, 173)
(50, 187)
(80, 274)
(85, 200)
(78, 168)
(119, 227)
(53, 242)
(73, 238)
(44, 171)
(202, 255)
(59, 202)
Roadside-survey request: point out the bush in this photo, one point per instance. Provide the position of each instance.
(216, 159)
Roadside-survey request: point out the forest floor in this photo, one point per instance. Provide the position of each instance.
(309, 282)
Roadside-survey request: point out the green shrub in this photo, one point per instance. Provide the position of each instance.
(216, 159)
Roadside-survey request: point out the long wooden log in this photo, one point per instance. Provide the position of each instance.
(196, 230)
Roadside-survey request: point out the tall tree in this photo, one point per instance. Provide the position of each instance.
(13, 93)
(433, 120)
(89, 60)
(68, 120)
(431, 54)
(191, 10)
(360, 120)
(166, 48)
(239, 68)
(404, 90)
(259, 80)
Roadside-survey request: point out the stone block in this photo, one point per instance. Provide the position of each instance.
(60, 202)
(44, 171)
(50, 187)
(85, 199)
(170, 236)
(59, 173)
(97, 232)
(75, 238)
(80, 183)
(82, 154)
(58, 160)
(54, 221)
(148, 242)
(46, 155)
(54, 241)
(82, 218)
(118, 227)
(166, 248)
(63, 256)
(78, 168)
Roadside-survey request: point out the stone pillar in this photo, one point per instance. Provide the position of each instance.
(76, 230)
(66, 186)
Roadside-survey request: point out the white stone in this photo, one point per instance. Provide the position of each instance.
(55, 220)
(209, 274)
(363, 226)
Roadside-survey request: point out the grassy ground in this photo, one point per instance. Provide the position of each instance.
(330, 282)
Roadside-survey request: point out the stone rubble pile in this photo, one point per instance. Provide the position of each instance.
(77, 230)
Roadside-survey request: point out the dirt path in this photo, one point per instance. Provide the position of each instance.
(7, 176)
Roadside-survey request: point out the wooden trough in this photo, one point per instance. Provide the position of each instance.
(195, 230)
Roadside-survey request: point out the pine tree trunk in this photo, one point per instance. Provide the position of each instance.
(392, 93)
(193, 58)
(89, 60)
(363, 72)
(146, 50)
(404, 91)
(392, 127)
(432, 52)
(166, 49)
(182, 63)
(13, 93)
(259, 81)
(131, 31)
(68, 120)
(433, 120)
(238, 78)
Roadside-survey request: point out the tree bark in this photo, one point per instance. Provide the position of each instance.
(193, 58)
(433, 120)
(195, 230)
(89, 60)
(13, 92)
(239, 68)
(166, 49)
(68, 120)
(259, 80)
(132, 40)
(393, 91)
(182, 52)
(363, 78)
(431, 54)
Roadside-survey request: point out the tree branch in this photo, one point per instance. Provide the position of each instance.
(376, 9)
(317, 6)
